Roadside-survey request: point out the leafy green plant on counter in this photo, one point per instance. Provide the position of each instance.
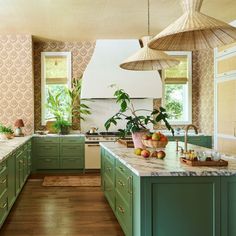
(135, 122)
(63, 126)
(5, 129)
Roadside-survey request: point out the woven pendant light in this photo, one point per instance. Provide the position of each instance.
(193, 31)
(147, 59)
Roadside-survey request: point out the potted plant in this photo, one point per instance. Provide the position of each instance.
(65, 105)
(136, 122)
(6, 132)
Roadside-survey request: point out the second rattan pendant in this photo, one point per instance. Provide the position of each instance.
(193, 31)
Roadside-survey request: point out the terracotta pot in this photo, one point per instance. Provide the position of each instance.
(5, 136)
(137, 138)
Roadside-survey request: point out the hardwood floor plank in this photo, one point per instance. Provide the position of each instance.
(61, 211)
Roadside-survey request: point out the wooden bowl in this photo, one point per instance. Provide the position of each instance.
(154, 144)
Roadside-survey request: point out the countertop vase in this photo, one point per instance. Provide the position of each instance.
(137, 138)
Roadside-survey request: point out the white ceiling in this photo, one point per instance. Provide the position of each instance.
(97, 19)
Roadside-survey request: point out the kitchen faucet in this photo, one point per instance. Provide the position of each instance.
(186, 136)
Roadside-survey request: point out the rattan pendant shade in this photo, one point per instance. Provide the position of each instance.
(147, 59)
(193, 31)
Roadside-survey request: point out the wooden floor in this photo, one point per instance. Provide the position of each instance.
(60, 211)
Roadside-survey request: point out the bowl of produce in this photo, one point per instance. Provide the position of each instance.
(155, 140)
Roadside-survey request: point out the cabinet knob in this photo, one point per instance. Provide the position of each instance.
(121, 209)
(121, 183)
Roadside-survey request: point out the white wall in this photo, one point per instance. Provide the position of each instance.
(103, 109)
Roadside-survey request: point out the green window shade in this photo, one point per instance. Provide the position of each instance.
(56, 70)
(177, 74)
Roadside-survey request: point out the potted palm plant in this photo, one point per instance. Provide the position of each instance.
(65, 105)
(136, 123)
(6, 132)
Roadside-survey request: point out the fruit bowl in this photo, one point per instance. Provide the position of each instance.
(154, 143)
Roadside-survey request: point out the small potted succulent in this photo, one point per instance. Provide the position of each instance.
(6, 132)
(136, 122)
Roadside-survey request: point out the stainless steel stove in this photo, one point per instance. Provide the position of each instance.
(101, 137)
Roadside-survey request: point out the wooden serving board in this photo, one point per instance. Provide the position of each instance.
(203, 163)
(128, 142)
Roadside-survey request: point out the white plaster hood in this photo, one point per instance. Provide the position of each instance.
(103, 70)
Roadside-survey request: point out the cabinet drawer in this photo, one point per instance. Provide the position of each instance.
(49, 150)
(72, 163)
(109, 192)
(109, 158)
(46, 140)
(3, 166)
(47, 163)
(3, 180)
(109, 170)
(124, 215)
(124, 185)
(71, 150)
(3, 206)
(72, 139)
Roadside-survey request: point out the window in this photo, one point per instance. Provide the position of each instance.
(56, 74)
(177, 82)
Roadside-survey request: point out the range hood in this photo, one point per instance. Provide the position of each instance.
(103, 70)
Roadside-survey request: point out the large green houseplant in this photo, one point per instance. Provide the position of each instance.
(65, 105)
(136, 124)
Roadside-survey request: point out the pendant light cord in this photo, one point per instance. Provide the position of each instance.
(148, 15)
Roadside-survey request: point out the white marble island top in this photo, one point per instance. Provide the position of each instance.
(7, 147)
(170, 166)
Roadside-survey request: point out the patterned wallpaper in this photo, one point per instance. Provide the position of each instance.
(202, 92)
(16, 81)
(81, 54)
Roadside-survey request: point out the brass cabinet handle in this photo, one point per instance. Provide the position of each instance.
(121, 183)
(3, 181)
(4, 206)
(109, 168)
(121, 168)
(121, 209)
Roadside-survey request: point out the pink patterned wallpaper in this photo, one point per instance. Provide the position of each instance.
(202, 92)
(16, 81)
(81, 55)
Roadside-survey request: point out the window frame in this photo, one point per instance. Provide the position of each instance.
(189, 84)
(43, 78)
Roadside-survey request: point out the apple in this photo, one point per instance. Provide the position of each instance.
(161, 155)
(145, 137)
(156, 137)
(164, 139)
(145, 153)
(138, 151)
(154, 154)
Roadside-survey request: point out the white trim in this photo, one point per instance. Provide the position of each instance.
(189, 56)
(215, 102)
(226, 136)
(43, 77)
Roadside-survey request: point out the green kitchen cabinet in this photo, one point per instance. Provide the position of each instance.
(228, 206)
(11, 172)
(164, 205)
(199, 140)
(53, 154)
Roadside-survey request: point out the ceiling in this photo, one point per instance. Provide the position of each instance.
(97, 19)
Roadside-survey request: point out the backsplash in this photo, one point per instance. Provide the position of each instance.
(202, 92)
(81, 54)
(16, 81)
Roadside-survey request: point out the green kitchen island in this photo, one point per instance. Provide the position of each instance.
(152, 197)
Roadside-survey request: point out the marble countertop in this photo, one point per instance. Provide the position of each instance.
(170, 166)
(7, 147)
